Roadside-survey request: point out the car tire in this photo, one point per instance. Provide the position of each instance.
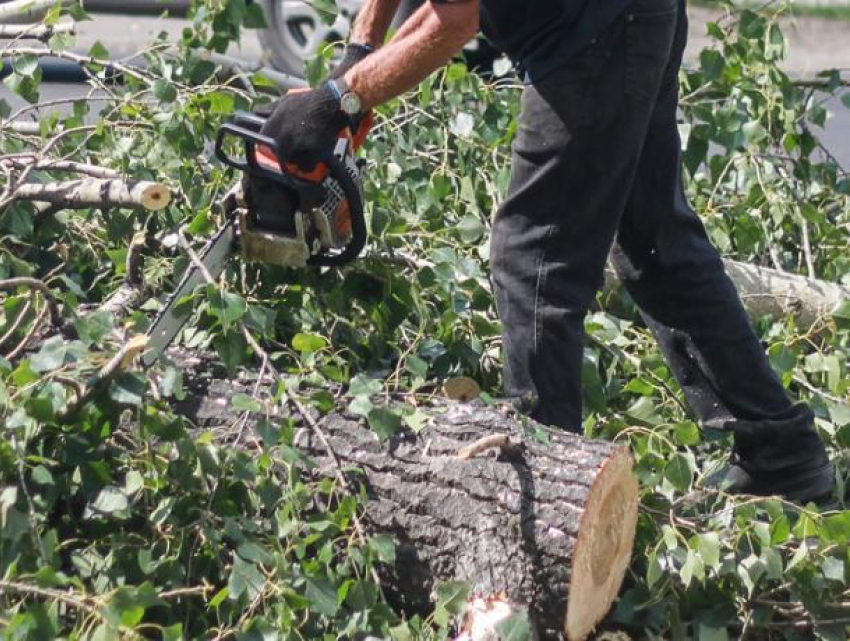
(294, 32)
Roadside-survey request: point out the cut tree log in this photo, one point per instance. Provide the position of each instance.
(17, 11)
(97, 192)
(770, 292)
(475, 497)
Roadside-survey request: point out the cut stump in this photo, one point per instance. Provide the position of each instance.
(549, 526)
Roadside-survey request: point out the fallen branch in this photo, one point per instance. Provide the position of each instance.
(769, 292)
(35, 31)
(95, 171)
(81, 602)
(97, 192)
(24, 10)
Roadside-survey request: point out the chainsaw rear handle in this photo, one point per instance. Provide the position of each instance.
(358, 222)
(246, 127)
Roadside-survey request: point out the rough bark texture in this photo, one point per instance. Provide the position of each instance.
(769, 292)
(522, 519)
(97, 192)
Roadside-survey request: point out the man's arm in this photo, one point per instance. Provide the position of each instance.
(424, 43)
(373, 22)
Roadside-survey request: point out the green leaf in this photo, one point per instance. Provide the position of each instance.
(164, 90)
(245, 579)
(244, 403)
(322, 596)
(833, 569)
(51, 356)
(227, 307)
(384, 547)
(219, 598)
(708, 546)
(712, 63)
(26, 65)
(308, 343)
(384, 422)
(254, 17)
(470, 229)
(362, 385)
(128, 389)
(515, 628)
(453, 596)
(110, 500)
(680, 470)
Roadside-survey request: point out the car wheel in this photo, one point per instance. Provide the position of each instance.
(295, 33)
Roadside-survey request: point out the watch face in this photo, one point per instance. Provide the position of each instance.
(350, 103)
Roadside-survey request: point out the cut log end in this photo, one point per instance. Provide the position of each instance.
(155, 197)
(604, 545)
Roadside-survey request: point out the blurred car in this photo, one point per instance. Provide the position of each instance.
(296, 33)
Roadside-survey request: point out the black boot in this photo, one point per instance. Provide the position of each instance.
(783, 457)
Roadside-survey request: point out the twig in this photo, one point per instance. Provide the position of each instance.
(16, 324)
(94, 171)
(501, 441)
(11, 284)
(26, 339)
(47, 593)
(807, 250)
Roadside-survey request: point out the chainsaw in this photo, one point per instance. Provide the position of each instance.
(287, 217)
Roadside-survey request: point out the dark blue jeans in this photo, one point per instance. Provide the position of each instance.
(596, 170)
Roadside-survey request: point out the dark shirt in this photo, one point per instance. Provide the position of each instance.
(541, 35)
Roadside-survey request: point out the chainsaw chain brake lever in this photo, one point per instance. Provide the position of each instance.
(247, 127)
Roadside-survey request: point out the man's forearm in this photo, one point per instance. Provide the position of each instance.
(373, 21)
(423, 44)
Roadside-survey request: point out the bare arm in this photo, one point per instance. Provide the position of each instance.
(373, 21)
(423, 44)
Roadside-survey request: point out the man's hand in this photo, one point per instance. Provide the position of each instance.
(306, 125)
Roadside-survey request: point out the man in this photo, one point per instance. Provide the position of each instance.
(596, 168)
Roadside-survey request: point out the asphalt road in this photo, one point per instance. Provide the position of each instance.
(813, 45)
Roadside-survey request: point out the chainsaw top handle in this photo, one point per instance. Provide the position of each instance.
(263, 158)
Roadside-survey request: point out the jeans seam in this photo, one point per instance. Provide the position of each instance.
(538, 287)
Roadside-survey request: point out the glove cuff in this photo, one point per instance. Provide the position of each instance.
(354, 53)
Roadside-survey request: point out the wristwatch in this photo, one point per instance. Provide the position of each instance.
(349, 102)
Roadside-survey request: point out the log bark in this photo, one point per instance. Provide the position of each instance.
(769, 292)
(473, 497)
(97, 192)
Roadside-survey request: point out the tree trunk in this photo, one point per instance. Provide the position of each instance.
(547, 525)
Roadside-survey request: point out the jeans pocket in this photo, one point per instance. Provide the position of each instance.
(650, 29)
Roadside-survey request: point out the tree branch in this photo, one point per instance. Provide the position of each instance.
(35, 31)
(12, 284)
(97, 192)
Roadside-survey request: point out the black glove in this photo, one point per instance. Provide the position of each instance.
(306, 125)
(354, 53)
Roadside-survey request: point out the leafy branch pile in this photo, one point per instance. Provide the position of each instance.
(119, 518)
